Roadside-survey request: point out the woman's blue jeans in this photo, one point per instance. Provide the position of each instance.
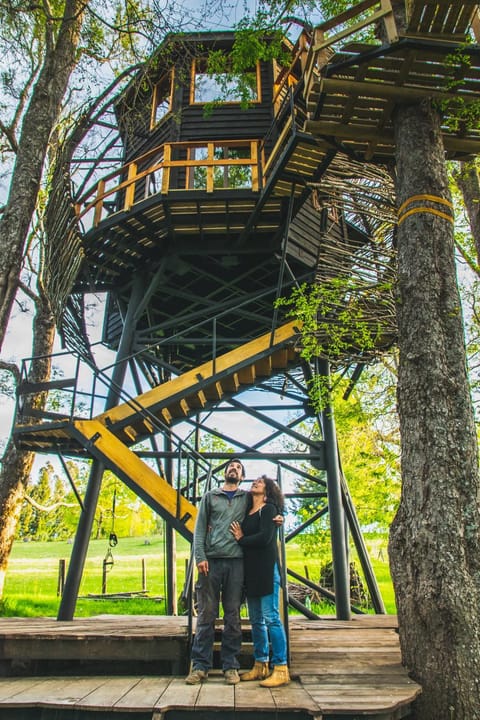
(265, 619)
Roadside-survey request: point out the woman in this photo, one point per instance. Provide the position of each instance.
(258, 537)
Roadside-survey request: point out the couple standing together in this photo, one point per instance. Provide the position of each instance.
(235, 547)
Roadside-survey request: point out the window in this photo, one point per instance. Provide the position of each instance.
(232, 176)
(162, 98)
(154, 179)
(210, 173)
(223, 87)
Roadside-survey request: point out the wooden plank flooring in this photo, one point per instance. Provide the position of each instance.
(339, 669)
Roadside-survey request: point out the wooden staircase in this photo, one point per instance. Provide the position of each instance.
(108, 436)
(203, 386)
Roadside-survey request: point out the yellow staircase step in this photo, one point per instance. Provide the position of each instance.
(191, 390)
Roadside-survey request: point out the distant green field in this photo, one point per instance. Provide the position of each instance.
(32, 578)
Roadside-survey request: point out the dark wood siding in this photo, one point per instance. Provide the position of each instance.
(190, 122)
(229, 121)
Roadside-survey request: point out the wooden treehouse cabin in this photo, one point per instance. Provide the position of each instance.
(207, 198)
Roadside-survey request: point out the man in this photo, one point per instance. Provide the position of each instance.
(219, 560)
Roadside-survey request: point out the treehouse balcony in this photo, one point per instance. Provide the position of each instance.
(361, 64)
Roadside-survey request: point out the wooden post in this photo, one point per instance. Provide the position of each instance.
(97, 215)
(210, 160)
(144, 575)
(167, 157)
(61, 577)
(104, 577)
(130, 189)
(254, 164)
(389, 21)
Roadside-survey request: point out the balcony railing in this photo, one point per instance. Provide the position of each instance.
(207, 166)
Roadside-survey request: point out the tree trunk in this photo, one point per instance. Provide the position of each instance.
(40, 118)
(17, 464)
(435, 539)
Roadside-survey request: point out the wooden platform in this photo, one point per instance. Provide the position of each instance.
(340, 669)
(352, 88)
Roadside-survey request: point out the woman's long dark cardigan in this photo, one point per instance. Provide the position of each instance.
(259, 544)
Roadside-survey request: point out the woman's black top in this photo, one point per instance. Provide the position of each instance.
(259, 544)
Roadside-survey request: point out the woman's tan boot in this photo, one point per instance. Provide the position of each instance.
(258, 672)
(279, 676)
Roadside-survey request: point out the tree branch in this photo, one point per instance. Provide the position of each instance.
(12, 368)
(47, 508)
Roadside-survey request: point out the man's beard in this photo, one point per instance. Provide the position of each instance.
(232, 480)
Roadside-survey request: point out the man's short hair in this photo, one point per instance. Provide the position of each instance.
(237, 460)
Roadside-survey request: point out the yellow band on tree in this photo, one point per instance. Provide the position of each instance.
(423, 208)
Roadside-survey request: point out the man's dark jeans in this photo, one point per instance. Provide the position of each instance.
(225, 580)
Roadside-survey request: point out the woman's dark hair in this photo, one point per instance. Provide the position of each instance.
(273, 493)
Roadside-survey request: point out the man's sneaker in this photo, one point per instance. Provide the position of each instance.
(231, 676)
(196, 676)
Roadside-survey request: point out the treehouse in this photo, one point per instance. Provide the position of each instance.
(203, 199)
(209, 203)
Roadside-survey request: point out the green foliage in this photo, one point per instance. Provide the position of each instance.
(235, 73)
(369, 462)
(460, 113)
(335, 322)
(118, 508)
(32, 577)
(252, 45)
(93, 36)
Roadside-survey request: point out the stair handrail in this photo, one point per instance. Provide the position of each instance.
(101, 374)
(27, 387)
(283, 126)
(321, 46)
(227, 309)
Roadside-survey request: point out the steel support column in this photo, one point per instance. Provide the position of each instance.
(335, 505)
(82, 536)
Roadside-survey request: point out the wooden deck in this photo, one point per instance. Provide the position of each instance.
(114, 666)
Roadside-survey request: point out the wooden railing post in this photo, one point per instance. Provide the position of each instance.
(167, 157)
(210, 159)
(254, 164)
(97, 216)
(389, 21)
(130, 190)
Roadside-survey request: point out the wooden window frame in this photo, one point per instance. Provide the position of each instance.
(166, 77)
(193, 76)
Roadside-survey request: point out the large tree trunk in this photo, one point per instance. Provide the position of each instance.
(435, 538)
(17, 464)
(39, 120)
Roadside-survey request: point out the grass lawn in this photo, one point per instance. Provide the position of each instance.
(32, 578)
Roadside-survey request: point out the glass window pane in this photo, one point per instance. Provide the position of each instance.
(224, 87)
(161, 99)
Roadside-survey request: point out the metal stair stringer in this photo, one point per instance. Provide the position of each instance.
(232, 372)
(151, 487)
